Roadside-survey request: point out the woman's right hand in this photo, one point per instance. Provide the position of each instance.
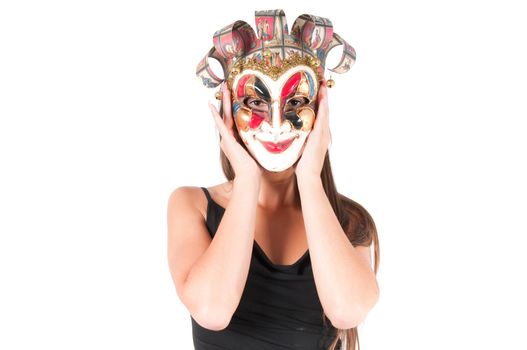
(242, 162)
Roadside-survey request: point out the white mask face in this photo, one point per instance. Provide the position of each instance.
(274, 117)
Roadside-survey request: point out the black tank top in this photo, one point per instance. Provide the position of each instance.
(279, 307)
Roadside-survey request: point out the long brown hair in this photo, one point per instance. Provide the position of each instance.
(356, 222)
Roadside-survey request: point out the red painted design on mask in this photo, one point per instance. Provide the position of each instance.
(240, 92)
(256, 120)
(291, 85)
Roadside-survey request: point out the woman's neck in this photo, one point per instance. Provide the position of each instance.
(278, 190)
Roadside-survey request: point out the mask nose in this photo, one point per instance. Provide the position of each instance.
(279, 125)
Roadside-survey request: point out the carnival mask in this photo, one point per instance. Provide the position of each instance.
(273, 77)
(274, 117)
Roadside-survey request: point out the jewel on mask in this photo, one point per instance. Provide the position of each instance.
(330, 83)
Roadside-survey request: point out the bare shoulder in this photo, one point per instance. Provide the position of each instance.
(192, 198)
(187, 199)
(188, 237)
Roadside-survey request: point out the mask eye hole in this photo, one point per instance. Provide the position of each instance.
(297, 101)
(256, 103)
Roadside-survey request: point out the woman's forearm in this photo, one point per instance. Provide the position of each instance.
(217, 279)
(346, 285)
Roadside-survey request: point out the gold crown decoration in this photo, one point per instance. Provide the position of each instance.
(236, 47)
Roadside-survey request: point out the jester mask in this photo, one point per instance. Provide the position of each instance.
(274, 80)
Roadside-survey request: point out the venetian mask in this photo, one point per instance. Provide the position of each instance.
(274, 117)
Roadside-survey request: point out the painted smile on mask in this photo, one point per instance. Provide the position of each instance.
(274, 117)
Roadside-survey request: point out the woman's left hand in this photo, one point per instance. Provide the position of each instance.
(318, 140)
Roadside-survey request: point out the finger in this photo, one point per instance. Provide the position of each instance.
(322, 111)
(322, 119)
(321, 97)
(222, 129)
(323, 93)
(325, 106)
(227, 105)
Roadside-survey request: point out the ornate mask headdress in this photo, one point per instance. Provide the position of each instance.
(274, 79)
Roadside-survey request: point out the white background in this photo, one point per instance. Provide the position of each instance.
(102, 117)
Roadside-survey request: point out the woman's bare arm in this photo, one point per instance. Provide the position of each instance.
(210, 275)
(345, 281)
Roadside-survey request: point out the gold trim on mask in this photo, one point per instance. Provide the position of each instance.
(274, 72)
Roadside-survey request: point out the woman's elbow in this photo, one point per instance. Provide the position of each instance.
(212, 318)
(346, 319)
(353, 315)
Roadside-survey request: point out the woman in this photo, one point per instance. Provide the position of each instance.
(264, 260)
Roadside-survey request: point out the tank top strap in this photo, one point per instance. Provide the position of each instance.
(207, 194)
